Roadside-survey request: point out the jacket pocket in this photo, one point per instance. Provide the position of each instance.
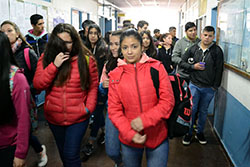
(83, 110)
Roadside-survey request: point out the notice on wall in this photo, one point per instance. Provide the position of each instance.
(29, 10)
(17, 15)
(4, 12)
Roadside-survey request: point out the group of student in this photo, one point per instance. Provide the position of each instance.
(82, 75)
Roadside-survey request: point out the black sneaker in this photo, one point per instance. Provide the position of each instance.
(187, 140)
(101, 139)
(88, 149)
(201, 138)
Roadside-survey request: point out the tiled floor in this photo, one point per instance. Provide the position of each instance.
(195, 155)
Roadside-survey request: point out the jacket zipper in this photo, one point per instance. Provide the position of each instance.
(136, 81)
(37, 47)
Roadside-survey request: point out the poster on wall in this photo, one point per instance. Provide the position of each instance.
(29, 10)
(58, 17)
(16, 15)
(203, 7)
(4, 12)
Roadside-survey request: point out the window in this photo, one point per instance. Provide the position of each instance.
(234, 36)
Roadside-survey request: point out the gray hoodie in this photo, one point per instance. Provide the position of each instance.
(180, 48)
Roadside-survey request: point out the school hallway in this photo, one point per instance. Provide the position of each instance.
(194, 155)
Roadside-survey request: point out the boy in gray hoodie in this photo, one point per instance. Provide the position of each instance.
(182, 45)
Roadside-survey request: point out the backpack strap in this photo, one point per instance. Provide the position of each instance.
(27, 57)
(154, 71)
(155, 77)
(13, 70)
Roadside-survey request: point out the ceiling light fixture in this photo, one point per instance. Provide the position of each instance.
(141, 3)
(128, 3)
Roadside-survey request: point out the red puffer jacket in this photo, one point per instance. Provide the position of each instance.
(132, 94)
(65, 105)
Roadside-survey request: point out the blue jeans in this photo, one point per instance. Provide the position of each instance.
(157, 157)
(68, 141)
(201, 100)
(34, 142)
(112, 142)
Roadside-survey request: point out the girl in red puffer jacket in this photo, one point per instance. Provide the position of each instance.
(133, 105)
(69, 75)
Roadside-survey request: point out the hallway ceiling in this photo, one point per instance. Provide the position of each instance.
(173, 4)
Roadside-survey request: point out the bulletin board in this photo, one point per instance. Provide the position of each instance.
(19, 12)
(4, 12)
(234, 38)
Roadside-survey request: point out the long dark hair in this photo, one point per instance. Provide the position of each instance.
(7, 59)
(151, 51)
(55, 45)
(101, 48)
(100, 51)
(112, 61)
(127, 33)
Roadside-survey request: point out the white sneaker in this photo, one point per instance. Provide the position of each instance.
(43, 157)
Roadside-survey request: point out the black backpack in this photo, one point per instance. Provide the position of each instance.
(180, 118)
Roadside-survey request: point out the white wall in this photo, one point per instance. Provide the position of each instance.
(59, 6)
(237, 86)
(157, 17)
(210, 5)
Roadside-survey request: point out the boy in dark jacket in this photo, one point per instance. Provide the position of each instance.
(37, 37)
(205, 63)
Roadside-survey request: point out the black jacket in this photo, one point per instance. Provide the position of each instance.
(37, 43)
(165, 57)
(100, 53)
(214, 62)
(29, 74)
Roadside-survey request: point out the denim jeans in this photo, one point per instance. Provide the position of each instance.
(68, 141)
(157, 157)
(112, 142)
(34, 142)
(201, 100)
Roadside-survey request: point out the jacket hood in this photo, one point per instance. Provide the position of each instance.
(31, 31)
(143, 59)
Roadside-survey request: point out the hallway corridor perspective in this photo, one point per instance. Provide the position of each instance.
(196, 155)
